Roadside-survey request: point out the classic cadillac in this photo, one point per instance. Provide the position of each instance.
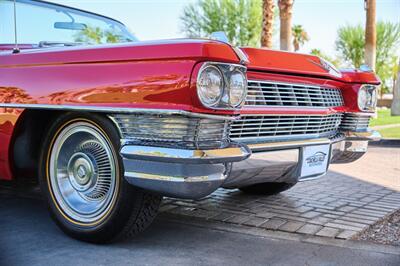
(108, 125)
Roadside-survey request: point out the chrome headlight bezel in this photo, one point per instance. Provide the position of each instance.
(224, 101)
(205, 99)
(243, 90)
(367, 98)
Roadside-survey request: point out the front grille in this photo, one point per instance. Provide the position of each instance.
(256, 128)
(353, 122)
(266, 93)
(173, 131)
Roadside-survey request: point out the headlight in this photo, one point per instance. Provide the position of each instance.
(222, 86)
(210, 86)
(237, 88)
(367, 98)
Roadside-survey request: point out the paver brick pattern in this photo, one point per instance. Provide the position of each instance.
(337, 205)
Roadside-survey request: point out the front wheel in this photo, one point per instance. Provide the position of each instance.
(267, 188)
(82, 177)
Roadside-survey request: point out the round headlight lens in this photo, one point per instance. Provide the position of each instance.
(237, 88)
(367, 98)
(210, 86)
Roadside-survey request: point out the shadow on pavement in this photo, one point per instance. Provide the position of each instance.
(28, 237)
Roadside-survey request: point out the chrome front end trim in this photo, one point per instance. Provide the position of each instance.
(263, 128)
(181, 179)
(172, 131)
(369, 135)
(179, 173)
(233, 153)
(272, 93)
(281, 161)
(354, 122)
(124, 110)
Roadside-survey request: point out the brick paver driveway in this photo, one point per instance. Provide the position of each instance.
(346, 201)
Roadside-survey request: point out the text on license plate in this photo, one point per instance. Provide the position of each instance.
(315, 160)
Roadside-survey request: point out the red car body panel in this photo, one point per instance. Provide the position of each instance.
(157, 75)
(301, 64)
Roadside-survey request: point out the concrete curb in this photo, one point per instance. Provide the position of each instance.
(241, 229)
(386, 143)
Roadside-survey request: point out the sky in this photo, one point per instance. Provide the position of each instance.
(159, 19)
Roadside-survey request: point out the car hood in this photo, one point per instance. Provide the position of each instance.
(182, 49)
(267, 60)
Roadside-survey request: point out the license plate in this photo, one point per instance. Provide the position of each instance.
(315, 160)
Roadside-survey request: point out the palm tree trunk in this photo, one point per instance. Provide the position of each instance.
(268, 23)
(370, 33)
(285, 15)
(396, 95)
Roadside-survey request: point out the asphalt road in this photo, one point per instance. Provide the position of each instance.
(29, 237)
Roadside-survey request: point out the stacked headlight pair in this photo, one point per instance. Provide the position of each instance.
(222, 86)
(367, 98)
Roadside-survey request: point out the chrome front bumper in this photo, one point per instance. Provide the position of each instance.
(177, 172)
(281, 161)
(196, 173)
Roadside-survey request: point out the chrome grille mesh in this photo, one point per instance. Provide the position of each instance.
(173, 130)
(352, 122)
(265, 93)
(259, 127)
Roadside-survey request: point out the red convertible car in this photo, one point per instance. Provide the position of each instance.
(108, 125)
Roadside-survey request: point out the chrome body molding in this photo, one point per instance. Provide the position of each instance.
(120, 110)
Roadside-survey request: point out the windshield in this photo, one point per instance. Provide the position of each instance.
(48, 24)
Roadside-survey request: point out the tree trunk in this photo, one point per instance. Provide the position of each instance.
(370, 33)
(285, 15)
(268, 23)
(396, 95)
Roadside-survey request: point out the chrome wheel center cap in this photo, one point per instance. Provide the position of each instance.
(81, 172)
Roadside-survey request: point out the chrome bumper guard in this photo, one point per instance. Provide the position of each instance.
(178, 172)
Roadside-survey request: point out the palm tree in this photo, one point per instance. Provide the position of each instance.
(370, 33)
(268, 23)
(285, 15)
(300, 36)
(396, 94)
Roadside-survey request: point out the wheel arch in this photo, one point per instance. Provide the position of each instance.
(28, 136)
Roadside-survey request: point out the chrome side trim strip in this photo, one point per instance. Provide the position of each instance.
(125, 110)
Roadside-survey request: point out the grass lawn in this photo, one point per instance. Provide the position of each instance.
(390, 133)
(384, 118)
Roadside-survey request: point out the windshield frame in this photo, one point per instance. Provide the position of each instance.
(80, 12)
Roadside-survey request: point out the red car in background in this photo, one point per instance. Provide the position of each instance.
(108, 125)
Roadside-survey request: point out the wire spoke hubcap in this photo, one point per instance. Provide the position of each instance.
(83, 172)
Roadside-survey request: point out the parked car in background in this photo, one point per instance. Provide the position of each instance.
(109, 125)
